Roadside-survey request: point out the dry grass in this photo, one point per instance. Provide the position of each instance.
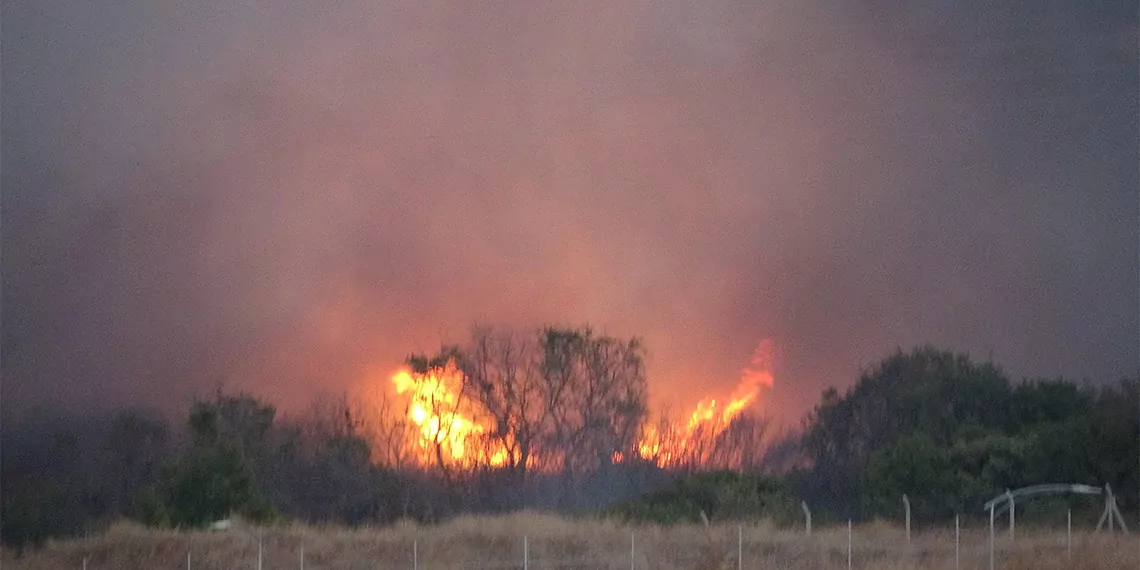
(553, 542)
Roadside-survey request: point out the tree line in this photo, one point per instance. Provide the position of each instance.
(952, 433)
(565, 410)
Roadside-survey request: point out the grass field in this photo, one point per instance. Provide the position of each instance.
(559, 543)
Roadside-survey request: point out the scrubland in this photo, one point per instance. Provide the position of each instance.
(561, 543)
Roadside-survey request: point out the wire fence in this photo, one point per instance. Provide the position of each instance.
(720, 548)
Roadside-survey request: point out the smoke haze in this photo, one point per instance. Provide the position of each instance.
(289, 198)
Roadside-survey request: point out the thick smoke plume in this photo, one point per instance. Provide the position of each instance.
(291, 197)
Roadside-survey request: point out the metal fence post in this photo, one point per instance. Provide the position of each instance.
(1012, 508)
(302, 556)
(1069, 534)
(848, 544)
(906, 507)
(1108, 509)
(187, 559)
(259, 549)
(632, 558)
(739, 547)
(84, 563)
(807, 516)
(957, 542)
(415, 554)
(991, 536)
(526, 554)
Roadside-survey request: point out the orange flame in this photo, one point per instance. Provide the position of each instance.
(436, 408)
(706, 422)
(753, 379)
(451, 431)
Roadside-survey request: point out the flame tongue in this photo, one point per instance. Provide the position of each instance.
(754, 378)
(706, 422)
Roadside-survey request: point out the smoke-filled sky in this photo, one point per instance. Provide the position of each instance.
(289, 197)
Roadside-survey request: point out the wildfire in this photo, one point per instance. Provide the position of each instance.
(755, 377)
(707, 421)
(447, 431)
(434, 407)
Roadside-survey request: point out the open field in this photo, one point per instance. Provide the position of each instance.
(558, 543)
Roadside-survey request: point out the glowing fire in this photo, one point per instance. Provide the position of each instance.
(452, 433)
(755, 377)
(706, 421)
(434, 406)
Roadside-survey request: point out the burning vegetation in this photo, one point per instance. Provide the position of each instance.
(566, 401)
(556, 421)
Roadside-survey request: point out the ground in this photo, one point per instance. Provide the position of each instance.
(550, 542)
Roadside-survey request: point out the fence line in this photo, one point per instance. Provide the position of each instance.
(654, 550)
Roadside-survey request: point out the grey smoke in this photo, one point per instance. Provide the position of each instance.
(288, 198)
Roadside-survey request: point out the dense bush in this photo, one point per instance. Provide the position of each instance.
(710, 497)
